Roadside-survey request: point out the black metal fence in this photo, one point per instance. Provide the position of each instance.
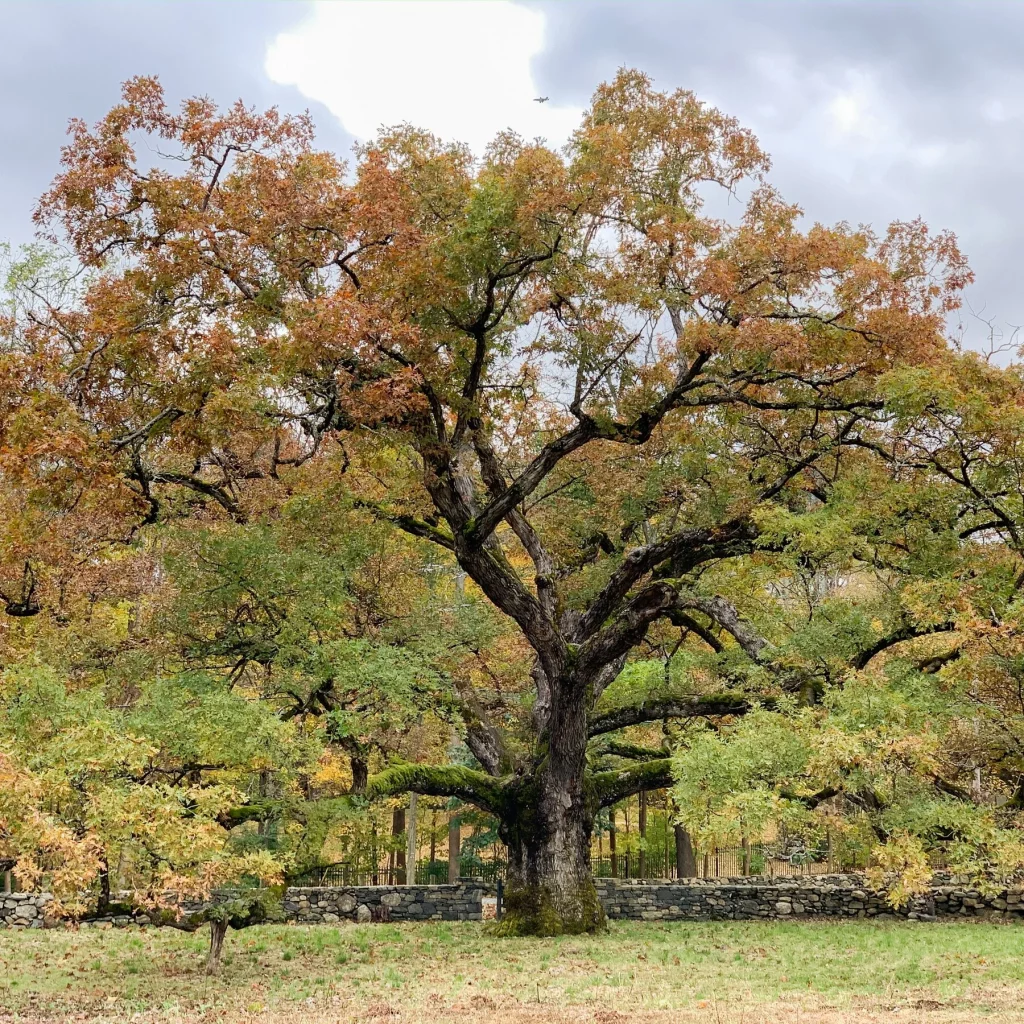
(427, 873)
(754, 859)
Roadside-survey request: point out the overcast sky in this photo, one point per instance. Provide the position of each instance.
(871, 110)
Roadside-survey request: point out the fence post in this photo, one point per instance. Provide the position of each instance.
(498, 900)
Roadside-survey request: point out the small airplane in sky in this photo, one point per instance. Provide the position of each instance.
(540, 99)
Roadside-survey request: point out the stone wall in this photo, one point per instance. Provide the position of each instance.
(458, 902)
(732, 899)
(754, 898)
(23, 909)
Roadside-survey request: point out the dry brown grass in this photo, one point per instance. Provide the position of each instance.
(811, 973)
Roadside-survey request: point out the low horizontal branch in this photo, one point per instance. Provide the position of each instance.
(629, 751)
(439, 780)
(608, 788)
(657, 709)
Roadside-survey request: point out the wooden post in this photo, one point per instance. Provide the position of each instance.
(7, 881)
(454, 847)
(412, 847)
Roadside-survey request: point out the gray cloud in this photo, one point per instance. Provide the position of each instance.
(60, 60)
(942, 84)
(871, 111)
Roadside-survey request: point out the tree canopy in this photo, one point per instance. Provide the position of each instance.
(549, 444)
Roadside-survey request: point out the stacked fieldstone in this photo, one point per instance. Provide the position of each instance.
(23, 909)
(459, 902)
(695, 899)
(752, 898)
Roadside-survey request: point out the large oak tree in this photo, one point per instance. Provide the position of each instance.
(584, 376)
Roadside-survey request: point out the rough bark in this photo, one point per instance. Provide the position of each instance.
(686, 863)
(218, 929)
(549, 890)
(360, 775)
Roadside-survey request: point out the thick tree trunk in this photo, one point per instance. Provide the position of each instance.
(218, 929)
(550, 890)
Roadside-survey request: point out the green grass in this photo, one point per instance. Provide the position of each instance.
(977, 968)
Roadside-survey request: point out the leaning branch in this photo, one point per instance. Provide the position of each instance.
(636, 432)
(682, 551)
(897, 637)
(408, 524)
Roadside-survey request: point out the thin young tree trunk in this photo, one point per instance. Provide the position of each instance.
(412, 848)
(397, 829)
(373, 850)
(454, 847)
(642, 827)
(433, 838)
(629, 859)
(613, 856)
(218, 929)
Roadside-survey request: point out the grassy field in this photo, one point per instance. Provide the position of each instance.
(815, 973)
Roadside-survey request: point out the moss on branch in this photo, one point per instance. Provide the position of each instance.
(607, 788)
(439, 780)
(654, 709)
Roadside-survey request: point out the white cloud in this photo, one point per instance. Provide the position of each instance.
(460, 70)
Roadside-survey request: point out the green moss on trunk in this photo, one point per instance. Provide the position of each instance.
(535, 910)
